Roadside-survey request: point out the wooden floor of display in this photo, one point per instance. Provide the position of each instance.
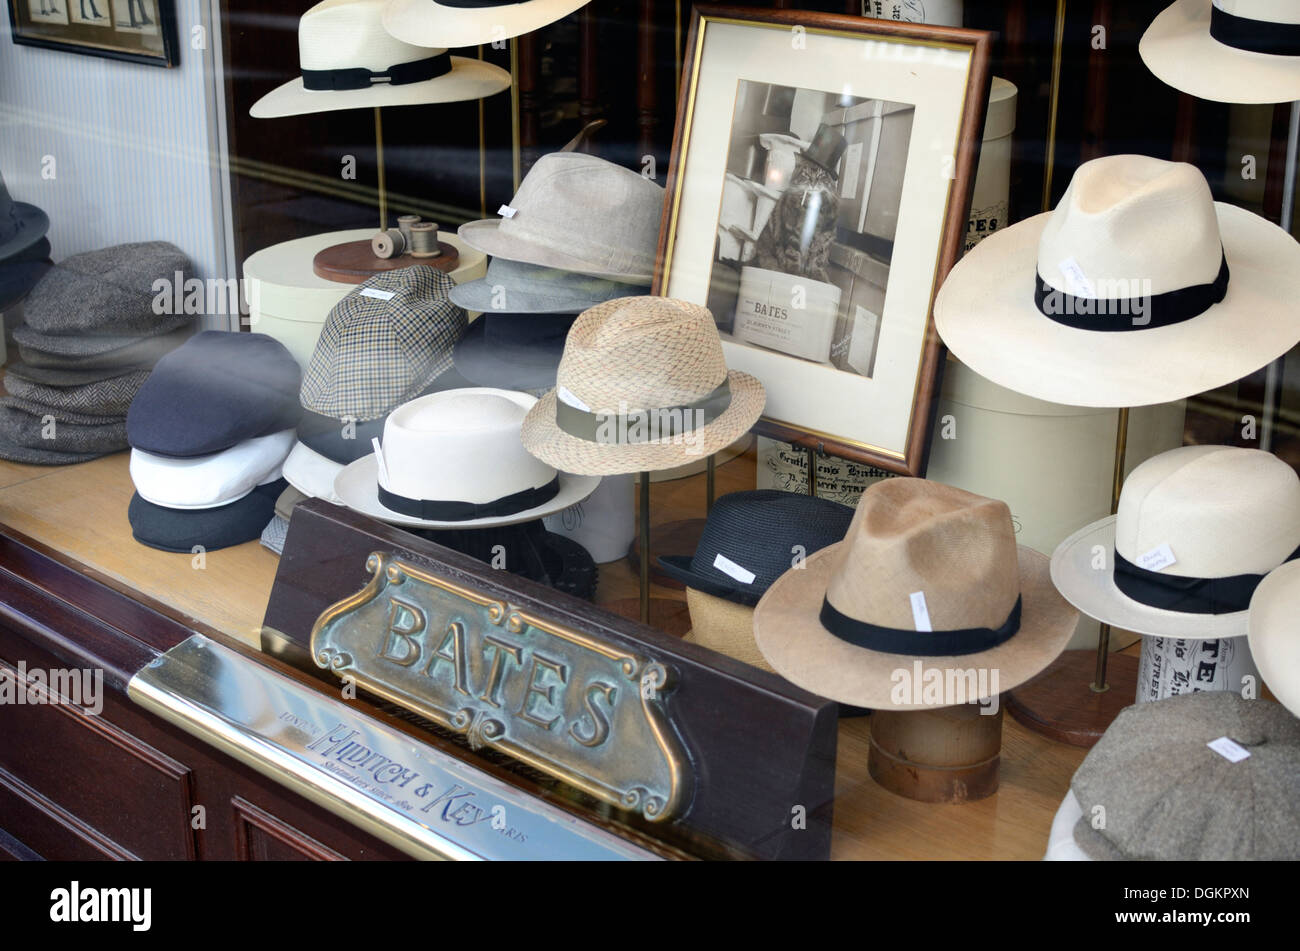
(80, 510)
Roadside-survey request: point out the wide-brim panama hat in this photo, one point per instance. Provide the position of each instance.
(911, 536)
(1274, 632)
(1124, 219)
(479, 427)
(21, 224)
(1208, 522)
(1215, 50)
(577, 212)
(457, 23)
(342, 44)
(516, 287)
(632, 367)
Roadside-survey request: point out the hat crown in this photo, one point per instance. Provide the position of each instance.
(1266, 11)
(349, 34)
(639, 353)
(1132, 226)
(1222, 510)
(910, 535)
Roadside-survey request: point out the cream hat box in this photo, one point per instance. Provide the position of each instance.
(1052, 464)
(287, 301)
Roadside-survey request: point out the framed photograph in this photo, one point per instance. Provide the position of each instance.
(139, 31)
(817, 196)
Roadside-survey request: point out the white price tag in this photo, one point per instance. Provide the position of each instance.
(379, 460)
(1230, 750)
(377, 294)
(920, 612)
(729, 567)
(505, 211)
(565, 395)
(1077, 281)
(1157, 559)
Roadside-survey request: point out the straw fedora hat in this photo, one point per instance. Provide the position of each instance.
(1244, 51)
(579, 213)
(349, 61)
(1137, 289)
(1196, 531)
(453, 460)
(928, 580)
(642, 386)
(1274, 633)
(471, 22)
(724, 626)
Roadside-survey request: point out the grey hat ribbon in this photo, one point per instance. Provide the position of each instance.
(646, 425)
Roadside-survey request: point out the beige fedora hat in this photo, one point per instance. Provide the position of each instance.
(1274, 632)
(576, 212)
(472, 22)
(1196, 531)
(929, 586)
(1242, 51)
(1137, 289)
(349, 61)
(642, 386)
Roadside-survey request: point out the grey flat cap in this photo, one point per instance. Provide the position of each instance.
(138, 352)
(111, 397)
(74, 438)
(1165, 794)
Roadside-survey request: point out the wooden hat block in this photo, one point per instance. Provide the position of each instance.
(353, 262)
(949, 754)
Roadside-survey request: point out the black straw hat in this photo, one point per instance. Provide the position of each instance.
(752, 538)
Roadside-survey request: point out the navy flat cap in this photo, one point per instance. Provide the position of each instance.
(215, 390)
(182, 529)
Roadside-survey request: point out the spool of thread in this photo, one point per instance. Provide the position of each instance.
(388, 244)
(404, 223)
(424, 240)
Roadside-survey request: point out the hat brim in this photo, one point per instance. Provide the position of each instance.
(311, 473)
(1093, 591)
(791, 637)
(1274, 646)
(679, 567)
(545, 440)
(425, 23)
(478, 296)
(1179, 51)
(521, 367)
(34, 224)
(468, 79)
(357, 487)
(986, 315)
(486, 236)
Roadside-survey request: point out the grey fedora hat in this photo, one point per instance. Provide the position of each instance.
(516, 287)
(21, 224)
(580, 213)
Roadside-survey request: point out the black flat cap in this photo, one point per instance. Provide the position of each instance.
(221, 527)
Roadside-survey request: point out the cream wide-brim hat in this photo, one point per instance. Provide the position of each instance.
(985, 314)
(1094, 592)
(1274, 633)
(357, 486)
(427, 23)
(468, 79)
(1179, 51)
(788, 632)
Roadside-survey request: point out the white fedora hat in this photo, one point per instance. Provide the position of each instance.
(577, 212)
(1137, 289)
(454, 460)
(1197, 529)
(349, 61)
(1245, 51)
(205, 482)
(1274, 632)
(311, 473)
(471, 22)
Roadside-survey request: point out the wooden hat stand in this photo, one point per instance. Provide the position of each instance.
(949, 754)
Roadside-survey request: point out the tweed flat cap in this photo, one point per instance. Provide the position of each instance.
(111, 397)
(275, 533)
(139, 352)
(111, 292)
(383, 344)
(50, 376)
(216, 390)
(212, 529)
(50, 432)
(1164, 793)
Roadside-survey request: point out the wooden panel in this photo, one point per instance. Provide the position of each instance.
(54, 831)
(261, 837)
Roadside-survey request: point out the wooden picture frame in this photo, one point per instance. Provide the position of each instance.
(880, 122)
(134, 31)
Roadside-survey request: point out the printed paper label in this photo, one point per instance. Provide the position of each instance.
(1157, 559)
(565, 395)
(1077, 281)
(505, 211)
(920, 612)
(729, 567)
(377, 294)
(1230, 750)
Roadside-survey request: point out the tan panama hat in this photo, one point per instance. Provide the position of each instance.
(724, 626)
(642, 386)
(928, 586)
(1274, 631)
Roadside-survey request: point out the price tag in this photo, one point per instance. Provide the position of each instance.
(729, 567)
(920, 611)
(1157, 559)
(505, 211)
(377, 294)
(1230, 750)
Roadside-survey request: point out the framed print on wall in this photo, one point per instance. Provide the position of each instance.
(817, 196)
(139, 31)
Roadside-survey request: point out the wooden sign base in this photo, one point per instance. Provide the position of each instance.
(1060, 703)
(946, 755)
(354, 262)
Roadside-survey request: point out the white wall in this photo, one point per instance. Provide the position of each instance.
(134, 146)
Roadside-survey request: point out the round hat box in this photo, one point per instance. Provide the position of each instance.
(1170, 666)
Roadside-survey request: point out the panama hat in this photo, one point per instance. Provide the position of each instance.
(642, 386)
(1138, 289)
(580, 213)
(928, 580)
(1196, 531)
(491, 481)
(472, 22)
(517, 287)
(1242, 51)
(349, 61)
(1274, 632)
(724, 626)
(21, 224)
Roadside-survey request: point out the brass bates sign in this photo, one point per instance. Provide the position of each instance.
(584, 711)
